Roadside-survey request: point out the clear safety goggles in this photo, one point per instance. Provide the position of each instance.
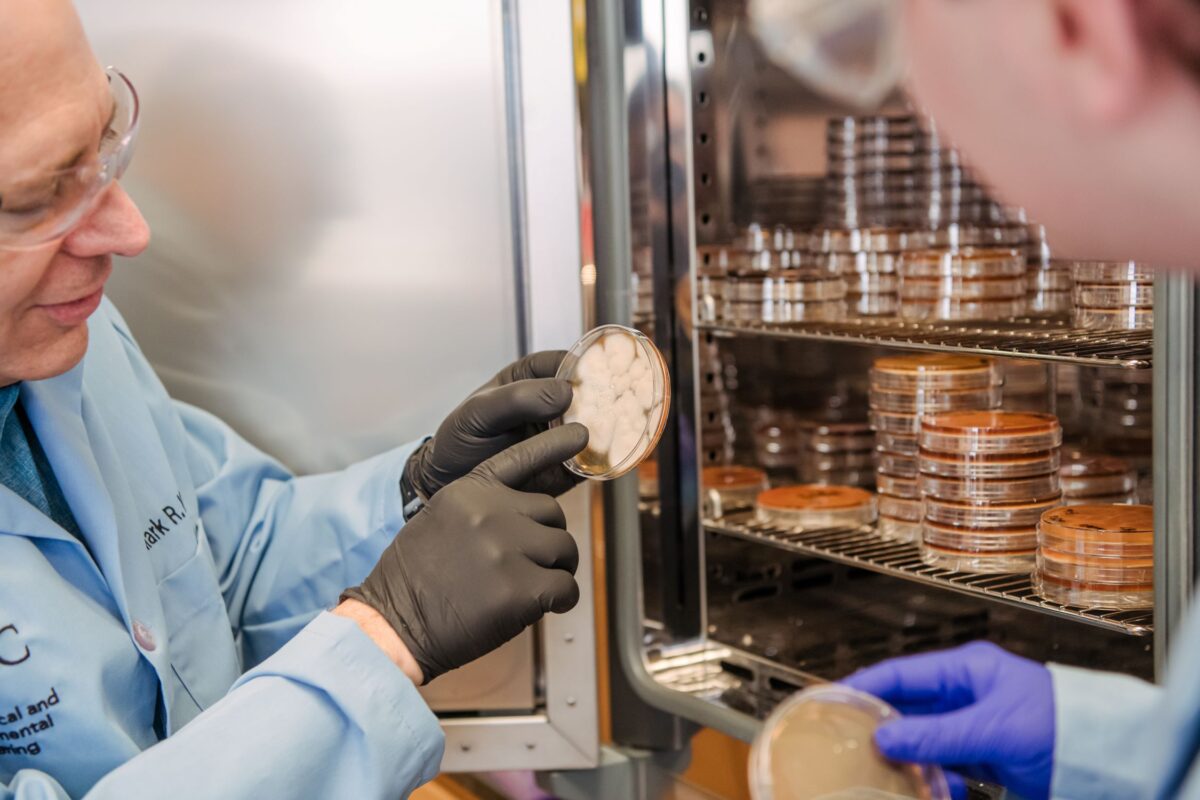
(38, 208)
(848, 50)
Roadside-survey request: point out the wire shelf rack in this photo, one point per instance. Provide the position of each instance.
(1049, 340)
(861, 547)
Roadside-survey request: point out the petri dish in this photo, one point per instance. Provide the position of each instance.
(816, 506)
(1009, 490)
(873, 305)
(968, 263)
(1091, 594)
(844, 460)
(899, 530)
(878, 264)
(819, 744)
(894, 422)
(897, 443)
(980, 540)
(732, 488)
(1114, 319)
(912, 373)
(1050, 303)
(903, 508)
(1127, 499)
(1114, 295)
(621, 395)
(961, 289)
(817, 311)
(836, 437)
(1087, 475)
(871, 283)
(1099, 530)
(966, 515)
(897, 486)
(783, 287)
(952, 310)
(989, 467)
(932, 400)
(1019, 562)
(990, 432)
(902, 464)
(1110, 271)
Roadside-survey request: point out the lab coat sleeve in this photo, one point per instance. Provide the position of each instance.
(1099, 718)
(285, 547)
(327, 716)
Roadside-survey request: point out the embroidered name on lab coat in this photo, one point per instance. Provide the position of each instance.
(158, 527)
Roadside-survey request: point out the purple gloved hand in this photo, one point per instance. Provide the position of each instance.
(977, 710)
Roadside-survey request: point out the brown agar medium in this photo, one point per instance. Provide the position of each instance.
(916, 373)
(990, 467)
(1097, 556)
(811, 506)
(732, 488)
(990, 432)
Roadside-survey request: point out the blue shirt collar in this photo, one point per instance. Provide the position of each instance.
(8, 401)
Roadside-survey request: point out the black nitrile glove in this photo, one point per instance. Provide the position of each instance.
(511, 407)
(482, 561)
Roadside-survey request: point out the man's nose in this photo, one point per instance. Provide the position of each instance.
(113, 226)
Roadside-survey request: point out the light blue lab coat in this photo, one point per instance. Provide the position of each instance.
(1119, 738)
(207, 559)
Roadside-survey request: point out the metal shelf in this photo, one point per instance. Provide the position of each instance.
(863, 548)
(1049, 340)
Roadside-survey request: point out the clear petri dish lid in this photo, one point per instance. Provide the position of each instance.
(1084, 474)
(819, 744)
(836, 437)
(872, 283)
(906, 487)
(622, 393)
(1115, 295)
(1050, 280)
(933, 400)
(897, 443)
(961, 288)
(975, 540)
(1039, 489)
(1110, 572)
(989, 432)
(1046, 304)
(1114, 319)
(893, 422)
(1111, 271)
(967, 515)
(860, 263)
(816, 506)
(912, 373)
(1125, 499)
(899, 530)
(990, 466)
(953, 310)
(902, 508)
(769, 287)
(857, 240)
(902, 465)
(965, 264)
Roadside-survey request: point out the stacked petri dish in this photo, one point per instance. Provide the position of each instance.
(986, 479)
(1048, 280)
(1028, 385)
(868, 178)
(1116, 295)
(811, 507)
(730, 489)
(784, 296)
(945, 191)
(776, 435)
(1089, 479)
(964, 284)
(717, 434)
(866, 259)
(1097, 556)
(837, 453)
(903, 389)
(820, 743)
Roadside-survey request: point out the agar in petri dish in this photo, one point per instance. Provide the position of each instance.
(621, 395)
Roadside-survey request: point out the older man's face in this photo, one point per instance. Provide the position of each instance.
(55, 104)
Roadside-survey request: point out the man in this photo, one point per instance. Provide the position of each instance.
(1087, 113)
(149, 556)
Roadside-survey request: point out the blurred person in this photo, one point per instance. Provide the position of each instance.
(1086, 112)
(164, 584)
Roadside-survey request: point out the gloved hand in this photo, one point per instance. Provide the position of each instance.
(514, 405)
(482, 561)
(977, 709)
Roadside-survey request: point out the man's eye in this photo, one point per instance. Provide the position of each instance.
(30, 199)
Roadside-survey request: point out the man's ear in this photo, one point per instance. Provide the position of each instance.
(1106, 61)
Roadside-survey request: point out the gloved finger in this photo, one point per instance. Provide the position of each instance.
(493, 412)
(541, 508)
(929, 678)
(942, 739)
(550, 548)
(535, 365)
(558, 592)
(523, 460)
(957, 784)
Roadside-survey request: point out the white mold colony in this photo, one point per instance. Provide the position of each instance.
(616, 399)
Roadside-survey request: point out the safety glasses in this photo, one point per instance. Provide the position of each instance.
(38, 208)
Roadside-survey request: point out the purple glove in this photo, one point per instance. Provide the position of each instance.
(978, 710)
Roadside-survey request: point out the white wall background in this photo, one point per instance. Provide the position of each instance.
(327, 185)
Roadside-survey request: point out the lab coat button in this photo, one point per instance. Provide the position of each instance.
(143, 636)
